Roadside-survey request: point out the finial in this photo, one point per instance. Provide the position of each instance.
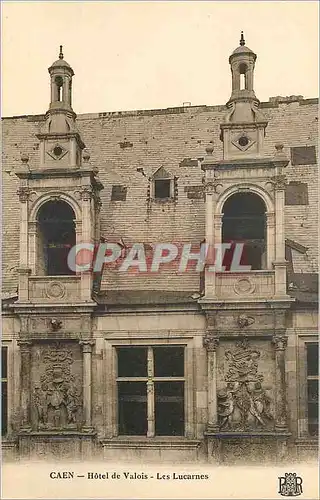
(242, 40)
(61, 53)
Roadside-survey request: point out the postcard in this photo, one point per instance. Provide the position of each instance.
(159, 245)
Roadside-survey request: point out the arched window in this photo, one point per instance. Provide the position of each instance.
(59, 84)
(56, 237)
(243, 76)
(244, 221)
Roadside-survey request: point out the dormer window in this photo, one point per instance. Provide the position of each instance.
(162, 185)
(162, 188)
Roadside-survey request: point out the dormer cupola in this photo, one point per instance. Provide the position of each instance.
(243, 128)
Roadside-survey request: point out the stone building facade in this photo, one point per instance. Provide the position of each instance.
(196, 364)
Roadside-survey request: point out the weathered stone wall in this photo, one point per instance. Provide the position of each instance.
(121, 143)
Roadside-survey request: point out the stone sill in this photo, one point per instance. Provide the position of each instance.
(128, 442)
(307, 442)
(8, 443)
(253, 435)
(57, 433)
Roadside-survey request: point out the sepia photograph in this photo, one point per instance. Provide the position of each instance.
(159, 249)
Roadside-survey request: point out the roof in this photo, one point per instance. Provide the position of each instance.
(303, 287)
(60, 63)
(241, 49)
(145, 297)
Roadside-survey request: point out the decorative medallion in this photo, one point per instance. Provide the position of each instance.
(55, 290)
(243, 141)
(57, 152)
(244, 286)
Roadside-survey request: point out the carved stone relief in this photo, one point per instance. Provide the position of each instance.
(243, 404)
(55, 290)
(57, 397)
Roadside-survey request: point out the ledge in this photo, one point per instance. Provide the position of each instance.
(59, 434)
(129, 442)
(247, 435)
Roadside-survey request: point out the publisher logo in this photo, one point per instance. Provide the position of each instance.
(290, 485)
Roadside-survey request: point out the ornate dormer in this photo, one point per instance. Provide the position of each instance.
(60, 203)
(245, 199)
(243, 129)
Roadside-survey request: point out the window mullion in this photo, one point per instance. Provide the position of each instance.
(150, 394)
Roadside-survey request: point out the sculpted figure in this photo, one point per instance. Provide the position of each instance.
(226, 406)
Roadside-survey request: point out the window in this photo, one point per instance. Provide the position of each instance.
(119, 193)
(59, 84)
(4, 390)
(244, 222)
(151, 391)
(313, 388)
(56, 237)
(305, 155)
(162, 188)
(163, 185)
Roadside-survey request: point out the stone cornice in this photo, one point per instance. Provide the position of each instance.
(210, 164)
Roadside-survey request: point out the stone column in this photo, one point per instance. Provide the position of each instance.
(87, 360)
(280, 343)
(270, 249)
(23, 271)
(86, 276)
(280, 262)
(150, 395)
(25, 384)
(209, 274)
(211, 342)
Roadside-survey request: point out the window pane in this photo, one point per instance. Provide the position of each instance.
(312, 359)
(162, 188)
(132, 408)
(313, 407)
(4, 368)
(132, 361)
(4, 406)
(169, 408)
(168, 361)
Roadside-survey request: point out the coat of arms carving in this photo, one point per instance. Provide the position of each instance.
(243, 404)
(57, 398)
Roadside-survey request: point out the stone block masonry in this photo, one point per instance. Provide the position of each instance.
(129, 147)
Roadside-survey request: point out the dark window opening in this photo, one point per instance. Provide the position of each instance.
(4, 391)
(132, 362)
(244, 222)
(132, 397)
(243, 76)
(151, 391)
(56, 237)
(57, 151)
(169, 408)
(119, 193)
(162, 188)
(313, 388)
(59, 84)
(168, 361)
(243, 141)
